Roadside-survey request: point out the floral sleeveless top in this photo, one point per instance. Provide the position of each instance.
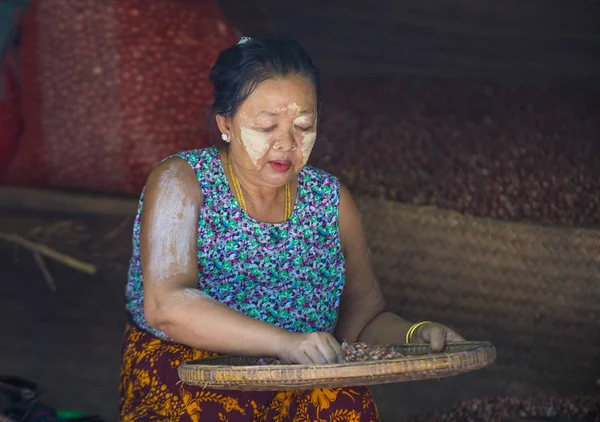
(289, 274)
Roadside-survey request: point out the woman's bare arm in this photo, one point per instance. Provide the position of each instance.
(363, 315)
(172, 302)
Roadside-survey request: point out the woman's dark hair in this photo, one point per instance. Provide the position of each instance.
(240, 69)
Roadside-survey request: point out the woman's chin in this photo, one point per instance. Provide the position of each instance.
(278, 178)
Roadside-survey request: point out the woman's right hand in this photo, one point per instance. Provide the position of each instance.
(318, 347)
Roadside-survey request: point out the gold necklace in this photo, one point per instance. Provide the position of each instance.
(238, 191)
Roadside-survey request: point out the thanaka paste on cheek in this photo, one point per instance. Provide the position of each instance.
(308, 139)
(256, 143)
(308, 142)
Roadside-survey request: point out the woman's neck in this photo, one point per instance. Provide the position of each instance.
(264, 203)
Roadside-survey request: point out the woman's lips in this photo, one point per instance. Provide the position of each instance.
(280, 165)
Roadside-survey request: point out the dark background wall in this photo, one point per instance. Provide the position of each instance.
(530, 41)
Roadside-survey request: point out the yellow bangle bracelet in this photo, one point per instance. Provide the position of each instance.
(413, 328)
(410, 332)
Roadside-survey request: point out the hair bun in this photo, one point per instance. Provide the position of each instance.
(239, 70)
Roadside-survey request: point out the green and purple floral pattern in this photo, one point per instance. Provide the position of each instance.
(289, 274)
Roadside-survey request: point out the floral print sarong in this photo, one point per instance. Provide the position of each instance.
(151, 391)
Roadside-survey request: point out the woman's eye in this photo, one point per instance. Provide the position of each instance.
(266, 129)
(304, 128)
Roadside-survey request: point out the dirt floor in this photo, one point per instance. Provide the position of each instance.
(68, 341)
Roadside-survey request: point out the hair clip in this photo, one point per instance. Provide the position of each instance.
(244, 40)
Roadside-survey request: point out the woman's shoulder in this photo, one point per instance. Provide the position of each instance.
(197, 157)
(320, 186)
(198, 162)
(173, 174)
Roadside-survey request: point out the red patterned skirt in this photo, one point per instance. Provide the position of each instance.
(150, 390)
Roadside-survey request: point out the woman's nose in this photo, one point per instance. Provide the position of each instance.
(285, 142)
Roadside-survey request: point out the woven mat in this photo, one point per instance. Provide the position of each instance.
(533, 291)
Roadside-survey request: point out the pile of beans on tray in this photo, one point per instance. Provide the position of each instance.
(355, 352)
(362, 352)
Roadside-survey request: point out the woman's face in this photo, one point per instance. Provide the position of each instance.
(274, 130)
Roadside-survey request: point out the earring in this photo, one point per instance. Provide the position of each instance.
(225, 137)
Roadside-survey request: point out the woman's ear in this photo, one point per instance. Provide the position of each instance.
(224, 125)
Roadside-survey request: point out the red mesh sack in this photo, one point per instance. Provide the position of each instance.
(113, 86)
(10, 116)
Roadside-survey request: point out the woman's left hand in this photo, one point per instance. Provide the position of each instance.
(437, 335)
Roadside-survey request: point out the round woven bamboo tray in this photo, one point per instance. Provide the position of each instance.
(244, 373)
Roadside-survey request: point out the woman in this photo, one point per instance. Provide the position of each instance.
(246, 250)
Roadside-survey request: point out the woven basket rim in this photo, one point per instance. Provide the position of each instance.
(457, 358)
(206, 362)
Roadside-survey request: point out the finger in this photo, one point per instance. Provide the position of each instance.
(452, 335)
(337, 348)
(328, 352)
(423, 333)
(315, 355)
(304, 359)
(297, 359)
(437, 339)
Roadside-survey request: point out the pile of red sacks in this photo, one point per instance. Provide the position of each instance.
(107, 89)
